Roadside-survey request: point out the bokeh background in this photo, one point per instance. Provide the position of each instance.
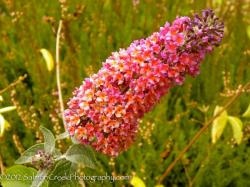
(92, 30)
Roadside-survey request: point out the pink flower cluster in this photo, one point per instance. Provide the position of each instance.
(105, 109)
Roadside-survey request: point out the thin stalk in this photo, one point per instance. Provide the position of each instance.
(201, 131)
(20, 79)
(1, 165)
(58, 81)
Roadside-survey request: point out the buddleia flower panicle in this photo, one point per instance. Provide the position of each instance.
(105, 109)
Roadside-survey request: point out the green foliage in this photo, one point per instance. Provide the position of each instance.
(218, 124)
(28, 155)
(7, 109)
(89, 37)
(49, 140)
(48, 59)
(76, 154)
(237, 128)
(137, 182)
(64, 169)
(40, 178)
(247, 112)
(18, 176)
(4, 124)
(63, 136)
(81, 154)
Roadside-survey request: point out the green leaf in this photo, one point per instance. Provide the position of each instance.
(19, 176)
(217, 2)
(248, 31)
(40, 178)
(62, 136)
(247, 112)
(65, 170)
(218, 124)
(2, 121)
(159, 185)
(237, 125)
(57, 153)
(137, 182)
(27, 155)
(81, 154)
(49, 140)
(48, 59)
(3, 125)
(7, 109)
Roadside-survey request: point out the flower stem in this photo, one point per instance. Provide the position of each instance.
(58, 70)
(20, 79)
(201, 131)
(1, 165)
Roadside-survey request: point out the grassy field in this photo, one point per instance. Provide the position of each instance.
(92, 30)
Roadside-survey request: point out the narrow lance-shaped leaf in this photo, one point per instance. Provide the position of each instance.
(247, 112)
(48, 59)
(248, 31)
(49, 140)
(237, 128)
(218, 124)
(2, 121)
(7, 109)
(81, 154)
(3, 125)
(1, 98)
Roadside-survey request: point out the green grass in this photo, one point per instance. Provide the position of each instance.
(88, 39)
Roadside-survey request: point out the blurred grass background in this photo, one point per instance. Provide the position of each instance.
(92, 30)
